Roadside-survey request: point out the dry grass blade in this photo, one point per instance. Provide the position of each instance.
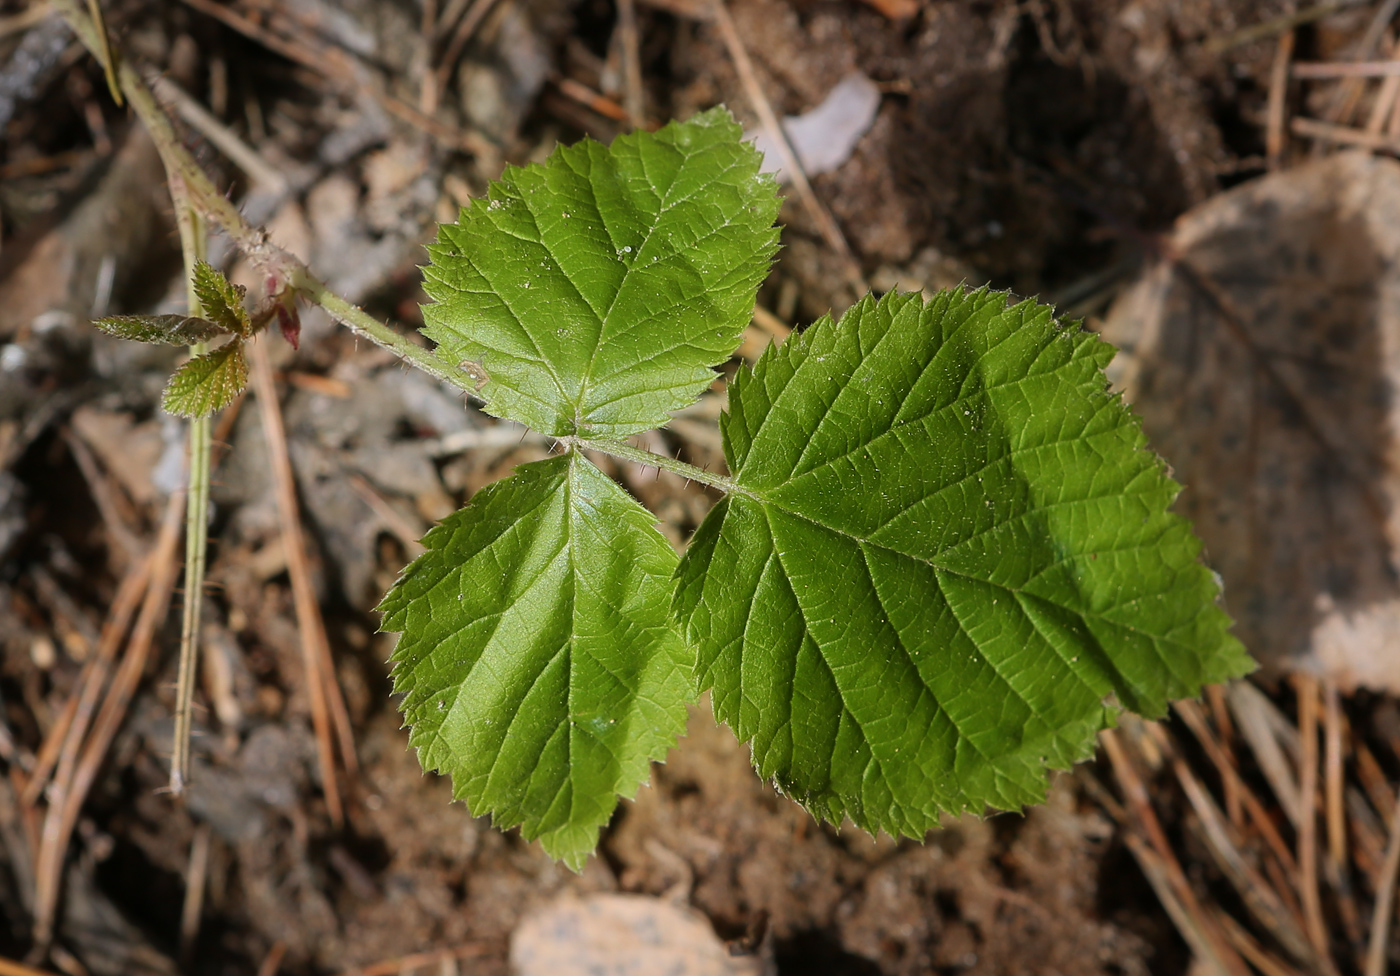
(771, 324)
(310, 626)
(1159, 876)
(1275, 25)
(195, 879)
(109, 498)
(602, 104)
(1190, 713)
(1196, 927)
(273, 960)
(766, 329)
(465, 29)
(764, 109)
(420, 960)
(1386, 98)
(1306, 687)
(338, 67)
(68, 731)
(1367, 837)
(1347, 96)
(228, 142)
(1373, 780)
(1333, 772)
(631, 62)
(1223, 753)
(1334, 805)
(1322, 70)
(25, 19)
(1250, 949)
(427, 27)
(8, 967)
(503, 434)
(1258, 896)
(68, 794)
(451, 14)
(406, 531)
(1385, 899)
(108, 59)
(1251, 710)
(1344, 135)
(1275, 133)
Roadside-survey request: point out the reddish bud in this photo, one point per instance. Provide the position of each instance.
(290, 323)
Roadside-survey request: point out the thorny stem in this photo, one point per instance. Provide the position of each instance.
(314, 290)
(192, 245)
(206, 200)
(627, 452)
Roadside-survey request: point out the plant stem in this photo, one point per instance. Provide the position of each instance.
(627, 452)
(206, 199)
(192, 245)
(358, 321)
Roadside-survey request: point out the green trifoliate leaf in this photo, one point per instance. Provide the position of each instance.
(169, 330)
(221, 300)
(207, 383)
(593, 294)
(539, 662)
(949, 562)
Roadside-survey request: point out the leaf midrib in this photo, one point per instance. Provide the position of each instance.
(665, 205)
(939, 567)
(880, 819)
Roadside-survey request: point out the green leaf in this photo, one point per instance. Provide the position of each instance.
(207, 383)
(594, 293)
(949, 561)
(222, 301)
(169, 330)
(539, 662)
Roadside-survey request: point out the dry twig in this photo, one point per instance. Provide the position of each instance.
(631, 62)
(321, 687)
(73, 780)
(1306, 687)
(1386, 98)
(252, 241)
(1250, 949)
(1348, 93)
(273, 960)
(764, 110)
(1198, 928)
(336, 66)
(1275, 25)
(465, 29)
(25, 19)
(419, 960)
(1344, 135)
(581, 93)
(1259, 897)
(228, 142)
(8, 967)
(108, 497)
(195, 879)
(1321, 70)
(407, 531)
(67, 733)
(1385, 899)
(1334, 805)
(1275, 133)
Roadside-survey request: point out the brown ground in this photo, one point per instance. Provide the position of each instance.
(1039, 146)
